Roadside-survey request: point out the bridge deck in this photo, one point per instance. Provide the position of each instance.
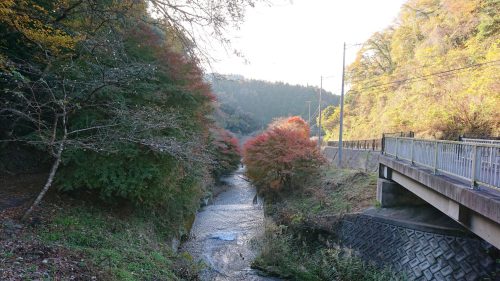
(485, 201)
(476, 209)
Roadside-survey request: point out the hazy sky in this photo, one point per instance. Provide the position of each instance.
(298, 41)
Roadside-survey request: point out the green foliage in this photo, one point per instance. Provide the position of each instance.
(143, 178)
(282, 158)
(236, 120)
(261, 102)
(122, 247)
(338, 192)
(287, 256)
(155, 158)
(393, 82)
(490, 19)
(109, 85)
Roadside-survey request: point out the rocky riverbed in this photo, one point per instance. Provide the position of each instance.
(223, 233)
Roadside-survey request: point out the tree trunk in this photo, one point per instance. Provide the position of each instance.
(49, 181)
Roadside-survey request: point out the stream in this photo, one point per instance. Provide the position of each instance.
(222, 233)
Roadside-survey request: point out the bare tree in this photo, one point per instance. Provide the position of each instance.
(56, 133)
(198, 24)
(45, 108)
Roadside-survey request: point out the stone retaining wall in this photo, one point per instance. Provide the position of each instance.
(423, 254)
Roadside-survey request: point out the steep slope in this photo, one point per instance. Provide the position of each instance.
(435, 71)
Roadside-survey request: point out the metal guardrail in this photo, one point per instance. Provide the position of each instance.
(407, 134)
(468, 140)
(370, 144)
(373, 144)
(478, 163)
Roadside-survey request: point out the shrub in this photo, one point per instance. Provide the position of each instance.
(152, 150)
(283, 157)
(226, 152)
(149, 181)
(288, 255)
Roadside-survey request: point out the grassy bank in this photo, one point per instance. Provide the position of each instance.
(289, 253)
(88, 242)
(286, 254)
(339, 191)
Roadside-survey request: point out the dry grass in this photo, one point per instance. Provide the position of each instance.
(294, 247)
(339, 192)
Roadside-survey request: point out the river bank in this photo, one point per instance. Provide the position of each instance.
(71, 238)
(300, 241)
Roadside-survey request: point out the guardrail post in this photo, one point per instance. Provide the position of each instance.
(411, 153)
(435, 157)
(382, 145)
(473, 171)
(494, 167)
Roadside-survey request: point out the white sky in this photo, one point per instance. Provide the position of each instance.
(297, 41)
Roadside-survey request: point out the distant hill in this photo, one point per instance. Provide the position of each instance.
(255, 103)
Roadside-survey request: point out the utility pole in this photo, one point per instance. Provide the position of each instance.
(309, 105)
(341, 109)
(319, 104)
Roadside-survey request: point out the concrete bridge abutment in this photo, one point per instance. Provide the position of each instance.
(391, 194)
(477, 210)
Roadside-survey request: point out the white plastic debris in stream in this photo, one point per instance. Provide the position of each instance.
(224, 236)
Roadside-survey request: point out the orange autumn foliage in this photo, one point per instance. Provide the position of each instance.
(283, 157)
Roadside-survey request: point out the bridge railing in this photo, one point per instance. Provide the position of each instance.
(373, 144)
(469, 140)
(478, 163)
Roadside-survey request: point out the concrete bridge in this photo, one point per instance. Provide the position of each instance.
(461, 179)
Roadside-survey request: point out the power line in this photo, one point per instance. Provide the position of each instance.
(420, 67)
(378, 77)
(309, 111)
(430, 75)
(384, 89)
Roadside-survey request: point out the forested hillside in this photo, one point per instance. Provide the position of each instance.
(110, 96)
(246, 103)
(112, 102)
(436, 71)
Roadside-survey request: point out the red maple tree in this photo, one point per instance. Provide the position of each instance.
(283, 157)
(226, 150)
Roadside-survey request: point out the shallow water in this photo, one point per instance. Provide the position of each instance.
(222, 233)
